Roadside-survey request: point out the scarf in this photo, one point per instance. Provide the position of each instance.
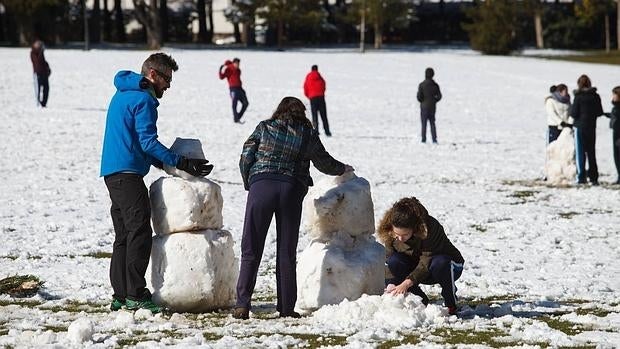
(562, 99)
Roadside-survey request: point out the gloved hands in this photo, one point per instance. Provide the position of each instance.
(195, 167)
(565, 124)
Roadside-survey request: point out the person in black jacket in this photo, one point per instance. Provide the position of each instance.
(41, 71)
(418, 252)
(428, 96)
(614, 124)
(585, 110)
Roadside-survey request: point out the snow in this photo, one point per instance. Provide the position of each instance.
(539, 247)
(179, 204)
(191, 149)
(80, 331)
(560, 167)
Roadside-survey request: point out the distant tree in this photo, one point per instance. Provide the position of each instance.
(119, 22)
(244, 13)
(535, 9)
(383, 15)
(493, 27)
(591, 11)
(95, 23)
(290, 15)
(163, 19)
(148, 15)
(26, 13)
(202, 21)
(107, 29)
(617, 24)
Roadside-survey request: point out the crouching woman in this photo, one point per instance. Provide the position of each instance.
(418, 252)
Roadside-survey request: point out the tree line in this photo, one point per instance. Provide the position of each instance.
(491, 26)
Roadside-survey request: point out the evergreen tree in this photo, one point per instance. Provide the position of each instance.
(493, 29)
(383, 15)
(28, 13)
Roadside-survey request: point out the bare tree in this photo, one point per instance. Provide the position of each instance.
(618, 23)
(148, 15)
(107, 30)
(119, 22)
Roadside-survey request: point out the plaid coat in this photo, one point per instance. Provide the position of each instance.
(274, 148)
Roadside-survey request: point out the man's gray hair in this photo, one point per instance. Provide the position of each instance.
(160, 62)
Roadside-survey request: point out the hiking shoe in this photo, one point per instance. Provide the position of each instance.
(241, 313)
(294, 315)
(116, 304)
(144, 304)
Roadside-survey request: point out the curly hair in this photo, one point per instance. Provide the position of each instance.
(405, 213)
(291, 109)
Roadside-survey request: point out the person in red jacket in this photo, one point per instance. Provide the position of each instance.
(314, 89)
(232, 73)
(41, 73)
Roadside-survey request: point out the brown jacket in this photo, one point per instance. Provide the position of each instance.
(436, 243)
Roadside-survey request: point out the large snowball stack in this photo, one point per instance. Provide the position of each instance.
(560, 166)
(193, 266)
(343, 261)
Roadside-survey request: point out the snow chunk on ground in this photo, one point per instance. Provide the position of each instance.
(188, 147)
(343, 268)
(193, 272)
(184, 205)
(80, 331)
(560, 167)
(340, 204)
(379, 312)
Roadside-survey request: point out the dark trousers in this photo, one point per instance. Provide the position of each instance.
(266, 198)
(318, 106)
(428, 115)
(42, 89)
(131, 216)
(616, 147)
(443, 271)
(585, 141)
(553, 134)
(238, 95)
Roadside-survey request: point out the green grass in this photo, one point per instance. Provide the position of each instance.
(55, 328)
(473, 302)
(451, 336)
(72, 306)
(211, 336)
(596, 56)
(407, 339)
(24, 303)
(99, 255)
(594, 311)
(479, 227)
(317, 341)
(568, 215)
(567, 327)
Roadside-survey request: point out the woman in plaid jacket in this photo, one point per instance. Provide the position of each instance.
(275, 166)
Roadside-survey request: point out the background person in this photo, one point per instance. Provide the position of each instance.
(232, 74)
(314, 90)
(428, 95)
(42, 72)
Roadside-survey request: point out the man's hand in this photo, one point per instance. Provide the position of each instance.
(402, 288)
(195, 167)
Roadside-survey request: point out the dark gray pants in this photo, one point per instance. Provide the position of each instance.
(238, 95)
(318, 106)
(131, 216)
(266, 198)
(428, 115)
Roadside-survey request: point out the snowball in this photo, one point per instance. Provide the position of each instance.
(560, 166)
(342, 203)
(185, 205)
(343, 268)
(193, 272)
(378, 312)
(188, 147)
(123, 319)
(142, 314)
(80, 331)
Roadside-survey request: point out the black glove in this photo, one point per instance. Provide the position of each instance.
(195, 167)
(158, 164)
(565, 124)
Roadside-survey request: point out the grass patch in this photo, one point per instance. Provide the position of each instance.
(9, 257)
(523, 194)
(318, 341)
(473, 302)
(407, 339)
(568, 215)
(266, 298)
(479, 227)
(25, 304)
(99, 255)
(4, 331)
(594, 56)
(55, 329)
(72, 306)
(20, 285)
(567, 327)
(211, 336)
(595, 311)
(451, 336)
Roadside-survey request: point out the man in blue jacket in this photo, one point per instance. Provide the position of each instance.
(130, 147)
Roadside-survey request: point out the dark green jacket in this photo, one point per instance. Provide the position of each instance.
(436, 243)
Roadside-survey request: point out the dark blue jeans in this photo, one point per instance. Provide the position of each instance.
(318, 106)
(443, 271)
(428, 115)
(238, 95)
(266, 198)
(585, 149)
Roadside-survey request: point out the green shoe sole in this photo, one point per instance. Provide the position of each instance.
(116, 304)
(146, 304)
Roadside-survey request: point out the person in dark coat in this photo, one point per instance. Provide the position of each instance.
(418, 252)
(614, 124)
(232, 74)
(130, 147)
(428, 96)
(314, 90)
(42, 72)
(585, 110)
(274, 166)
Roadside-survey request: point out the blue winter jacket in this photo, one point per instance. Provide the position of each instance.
(130, 142)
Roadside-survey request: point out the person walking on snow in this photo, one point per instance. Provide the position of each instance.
(232, 74)
(42, 72)
(418, 252)
(428, 95)
(275, 167)
(314, 89)
(614, 124)
(585, 110)
(130, 147)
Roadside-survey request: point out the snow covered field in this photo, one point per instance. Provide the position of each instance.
(541, 263)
